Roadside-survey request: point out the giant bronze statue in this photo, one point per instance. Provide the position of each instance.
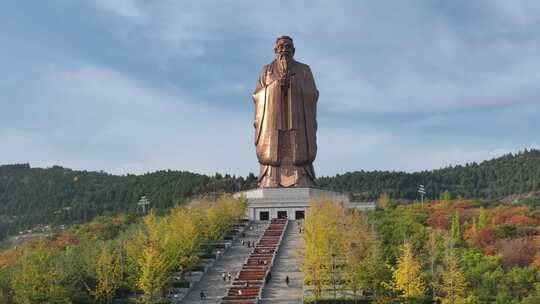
(285, 120)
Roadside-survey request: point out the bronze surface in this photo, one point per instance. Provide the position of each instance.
(285, 120)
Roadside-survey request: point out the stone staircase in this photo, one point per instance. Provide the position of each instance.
(212, 283)
(249, 268)
(287, 263)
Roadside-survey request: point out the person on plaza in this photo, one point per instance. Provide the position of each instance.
(287, 280)
(202, 295)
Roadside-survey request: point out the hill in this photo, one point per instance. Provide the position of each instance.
(35, 196)
(57, 195)
(492, 179)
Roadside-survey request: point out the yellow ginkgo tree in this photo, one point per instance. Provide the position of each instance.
(322, 239)
(108, 274)
(154, 276)
(407, 276)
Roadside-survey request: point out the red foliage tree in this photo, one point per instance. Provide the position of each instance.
(439, 219)
(519, 220)
(517, 252)
(64, 240)
(485, 241)
(462, 204)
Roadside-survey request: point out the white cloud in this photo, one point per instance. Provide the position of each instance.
(521, 13)
(109, 121)
(124, 8)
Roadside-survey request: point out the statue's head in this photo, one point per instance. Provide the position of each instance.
(284, 47)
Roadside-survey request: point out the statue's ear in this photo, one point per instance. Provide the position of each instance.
(293, 50)
(275, 50)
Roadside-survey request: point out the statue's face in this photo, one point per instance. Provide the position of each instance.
(284, 47)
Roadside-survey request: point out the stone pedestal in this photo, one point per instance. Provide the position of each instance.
(291, 203)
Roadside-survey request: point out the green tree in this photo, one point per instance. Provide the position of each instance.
(5, 290)
(483, 274)
(384, 201)
(446, 196)
(38, 280)
(453, 282)
(433, 249)
(455, 229)
(108, 274)
(374, 272)
(356, 241)
(482, 219)
(520, 282)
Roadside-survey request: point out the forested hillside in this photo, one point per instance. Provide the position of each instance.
(32, 196)
(497, 178)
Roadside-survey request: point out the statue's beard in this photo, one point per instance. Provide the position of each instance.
(284, 62)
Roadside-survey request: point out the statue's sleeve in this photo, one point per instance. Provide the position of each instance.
(311, 96)
(261, 82)
(311, 87)
(259, 99)
(258, 87)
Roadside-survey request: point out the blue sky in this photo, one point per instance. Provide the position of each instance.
(131, 86)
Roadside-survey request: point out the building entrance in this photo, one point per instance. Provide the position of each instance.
(282, 214)
(299, 215)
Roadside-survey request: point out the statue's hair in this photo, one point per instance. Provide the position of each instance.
(283, 37)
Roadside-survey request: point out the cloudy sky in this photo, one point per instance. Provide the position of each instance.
(130, 86)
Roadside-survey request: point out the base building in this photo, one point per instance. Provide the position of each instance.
(291, 203)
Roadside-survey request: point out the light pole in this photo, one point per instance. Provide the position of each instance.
(422, 191)
(143, 202)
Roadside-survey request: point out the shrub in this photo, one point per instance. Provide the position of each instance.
(505, 231)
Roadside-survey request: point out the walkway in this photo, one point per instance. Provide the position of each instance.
(212, 283)
(287, 263)
(247, 287)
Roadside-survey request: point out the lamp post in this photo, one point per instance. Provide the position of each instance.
(143, 202)
(422, 191)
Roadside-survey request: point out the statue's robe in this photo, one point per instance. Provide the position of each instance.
(285, 126)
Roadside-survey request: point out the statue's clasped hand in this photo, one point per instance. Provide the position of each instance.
(285, 82)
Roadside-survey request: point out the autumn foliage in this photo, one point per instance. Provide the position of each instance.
(97, 261)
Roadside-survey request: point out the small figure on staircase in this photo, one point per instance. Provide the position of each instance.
(202, 295)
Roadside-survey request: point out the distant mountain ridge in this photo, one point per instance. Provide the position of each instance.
(491, 179)
(57, 195)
